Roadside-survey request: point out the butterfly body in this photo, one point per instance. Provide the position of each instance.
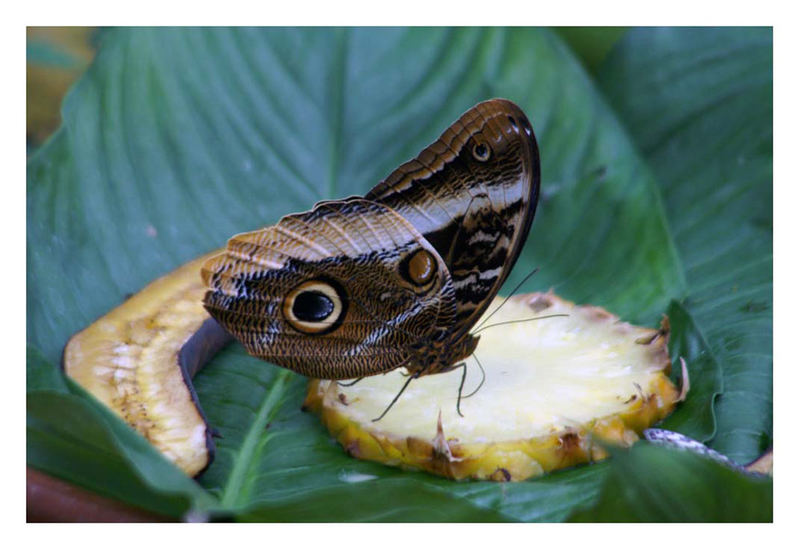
(397, 278)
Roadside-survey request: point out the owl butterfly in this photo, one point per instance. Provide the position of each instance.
(396, 278)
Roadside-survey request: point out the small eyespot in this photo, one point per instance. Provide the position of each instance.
(315, 307)
(481, 152)
(419, 267)
(513, 123)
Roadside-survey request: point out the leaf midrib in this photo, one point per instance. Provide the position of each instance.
(234, 492)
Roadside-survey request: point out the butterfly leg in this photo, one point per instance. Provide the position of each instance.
(463, 379)
(483, 378)
(396, 397)
(353, 383)
(462, 365)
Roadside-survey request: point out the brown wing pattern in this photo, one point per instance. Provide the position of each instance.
(472, 194)
(397, 278)
(332, 274)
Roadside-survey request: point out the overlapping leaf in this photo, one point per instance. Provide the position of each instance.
(688, 488)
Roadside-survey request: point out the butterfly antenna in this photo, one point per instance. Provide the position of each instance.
(516, 288)
(483, 378)
(521, 321)
(396, 397)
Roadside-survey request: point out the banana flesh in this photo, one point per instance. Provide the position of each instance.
(139, 358)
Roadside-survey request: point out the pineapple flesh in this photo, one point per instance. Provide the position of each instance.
(557, 390)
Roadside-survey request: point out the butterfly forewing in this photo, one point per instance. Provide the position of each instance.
(341, 291)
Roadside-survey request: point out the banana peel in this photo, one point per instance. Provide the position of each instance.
(139, 360)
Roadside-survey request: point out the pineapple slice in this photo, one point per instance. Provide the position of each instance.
(555, 390)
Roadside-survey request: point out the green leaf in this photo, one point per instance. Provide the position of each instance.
(176, 139)
(695, 417)
(41, 375)
(71, 435)
(649, 483)
(591, 44)
(698, 102)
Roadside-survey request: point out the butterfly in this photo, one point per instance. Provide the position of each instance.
(398, 277)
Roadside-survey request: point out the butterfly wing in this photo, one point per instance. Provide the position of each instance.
(472, 194)
(338, 292)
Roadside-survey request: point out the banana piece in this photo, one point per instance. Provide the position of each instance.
(139, 360)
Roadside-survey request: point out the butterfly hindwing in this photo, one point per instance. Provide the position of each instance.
(472, 194)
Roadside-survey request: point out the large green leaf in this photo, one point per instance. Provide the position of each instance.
(698, 103)
(176, 139)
